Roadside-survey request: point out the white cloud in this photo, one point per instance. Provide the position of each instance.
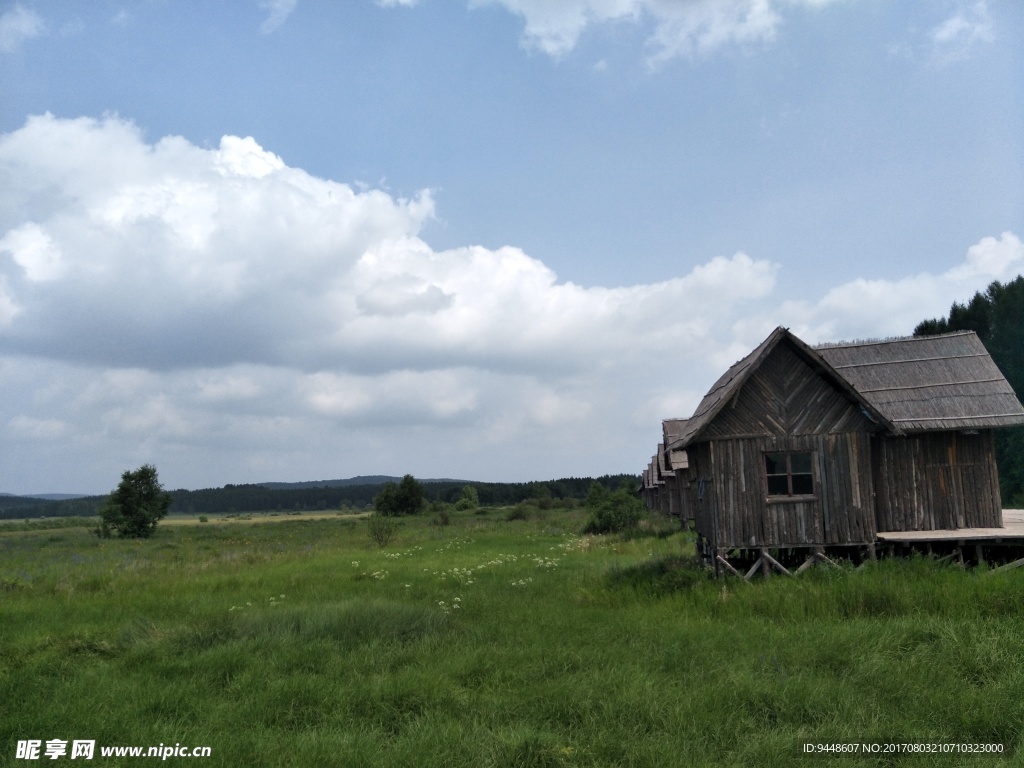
(36, 429)
(680, 27)
(34, 251)
(956, 37)
(278, 12)
(868, 308)
(17, 25)
(233, 318)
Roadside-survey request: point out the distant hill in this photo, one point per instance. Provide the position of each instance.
(356, 492)
(33, 497)
(358, 480)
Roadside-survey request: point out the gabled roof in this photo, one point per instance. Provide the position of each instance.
(658, 463)
(929, 382)
(733, 379)
(672, 430)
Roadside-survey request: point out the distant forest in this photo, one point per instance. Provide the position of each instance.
(303, 497)
(997, 316)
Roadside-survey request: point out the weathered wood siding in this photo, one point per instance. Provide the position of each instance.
(735, 510)
(785, 406)
(936, 481)
(786, 397)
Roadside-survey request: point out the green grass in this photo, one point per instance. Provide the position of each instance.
(491, 642)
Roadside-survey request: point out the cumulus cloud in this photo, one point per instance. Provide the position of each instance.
(681, 27)
(17, 25)
(174, 256)
(867, 308)
(231, 317)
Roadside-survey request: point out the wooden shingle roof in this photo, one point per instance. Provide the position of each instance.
(929, 382)
(672, 430)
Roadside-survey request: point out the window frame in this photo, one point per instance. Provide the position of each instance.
(788, 475)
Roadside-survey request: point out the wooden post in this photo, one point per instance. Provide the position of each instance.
(807, 564)
(753, 569)
(765, 568)
(775, 563)
(720, 561)
(819, 554)
(980, 554)
(1009, 566)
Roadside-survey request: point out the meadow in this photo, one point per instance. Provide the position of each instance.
(502, 639)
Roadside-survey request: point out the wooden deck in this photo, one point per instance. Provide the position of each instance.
(1012, 531)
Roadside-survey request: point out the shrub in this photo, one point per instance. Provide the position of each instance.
(612, 512)
(520, 511)
(468, 499)
(204, 519)
(382, 528)
(442, 512)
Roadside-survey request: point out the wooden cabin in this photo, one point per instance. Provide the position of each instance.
(801, 447)
(674, 468)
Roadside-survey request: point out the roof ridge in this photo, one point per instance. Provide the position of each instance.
(888, 340)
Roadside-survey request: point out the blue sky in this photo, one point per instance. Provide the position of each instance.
(499, 240)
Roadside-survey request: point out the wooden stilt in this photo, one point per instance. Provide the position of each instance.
(1009, 566)
(721, 561)
(820, 555)
(753, 569)
(981, 555)
(766, 570)
(807, 564)
(772, 561)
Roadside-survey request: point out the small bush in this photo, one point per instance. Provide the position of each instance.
(382, 528)
(204, 519)
(612, 512)
(442, 512)
(520, 511)
(663, 576)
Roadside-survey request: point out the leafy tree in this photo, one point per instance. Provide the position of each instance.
(406, 498)
(136, 505)
(468, 499)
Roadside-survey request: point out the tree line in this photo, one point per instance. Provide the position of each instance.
(233, 499)
(997, 316)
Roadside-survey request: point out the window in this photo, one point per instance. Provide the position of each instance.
(789, 473)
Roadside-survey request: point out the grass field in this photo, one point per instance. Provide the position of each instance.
(490, 642)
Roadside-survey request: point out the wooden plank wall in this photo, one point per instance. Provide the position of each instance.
(841, 511)
(936, 481)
